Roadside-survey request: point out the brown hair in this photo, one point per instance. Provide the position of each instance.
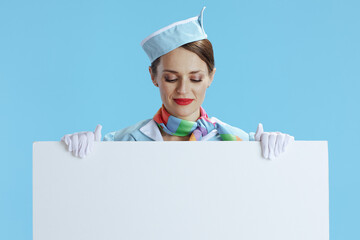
(203, 48)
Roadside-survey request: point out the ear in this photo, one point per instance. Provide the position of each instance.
(211, 76)
(153, 77)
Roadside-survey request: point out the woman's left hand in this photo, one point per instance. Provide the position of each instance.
(272, 143)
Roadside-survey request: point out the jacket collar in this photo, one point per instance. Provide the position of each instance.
(152, 131)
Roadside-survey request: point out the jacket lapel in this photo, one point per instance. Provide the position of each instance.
(152, 131)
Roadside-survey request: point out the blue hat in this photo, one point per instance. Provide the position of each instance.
(173, 36)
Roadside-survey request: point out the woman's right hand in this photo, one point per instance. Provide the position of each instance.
(82, 143)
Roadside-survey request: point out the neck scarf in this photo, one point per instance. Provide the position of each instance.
(203, 125)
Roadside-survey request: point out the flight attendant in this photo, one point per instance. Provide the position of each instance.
(182, 67)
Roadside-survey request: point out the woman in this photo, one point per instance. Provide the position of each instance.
(182, 67)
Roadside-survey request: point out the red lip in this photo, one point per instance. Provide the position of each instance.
(183, 101)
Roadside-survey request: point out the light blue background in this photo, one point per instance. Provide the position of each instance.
(66, 66)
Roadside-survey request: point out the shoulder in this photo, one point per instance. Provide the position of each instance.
(126, 134)
(237, 131)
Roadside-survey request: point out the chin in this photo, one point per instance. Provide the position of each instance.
(184, 111)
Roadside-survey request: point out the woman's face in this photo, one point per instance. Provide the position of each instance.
(181, 74)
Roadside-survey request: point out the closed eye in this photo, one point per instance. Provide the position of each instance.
(170, 80)
(173, 80)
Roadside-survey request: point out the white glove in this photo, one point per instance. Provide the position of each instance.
(82, 143)
(272, 143)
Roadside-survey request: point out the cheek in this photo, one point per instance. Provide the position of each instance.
(165, 91)
(200, 91)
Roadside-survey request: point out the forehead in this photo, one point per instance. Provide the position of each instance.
(182, 60)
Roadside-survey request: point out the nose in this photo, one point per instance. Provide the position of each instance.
(182, 86)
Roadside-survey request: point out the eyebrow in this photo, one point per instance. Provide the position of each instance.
(172, 71)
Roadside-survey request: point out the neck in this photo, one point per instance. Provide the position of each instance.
(192, 117)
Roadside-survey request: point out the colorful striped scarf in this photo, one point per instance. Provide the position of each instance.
(203, 125)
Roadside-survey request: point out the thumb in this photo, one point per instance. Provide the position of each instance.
(97, 133)
(259, 131)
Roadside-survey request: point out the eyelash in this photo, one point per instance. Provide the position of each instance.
(173, 80)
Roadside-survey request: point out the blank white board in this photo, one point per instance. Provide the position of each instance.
(180, 190)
